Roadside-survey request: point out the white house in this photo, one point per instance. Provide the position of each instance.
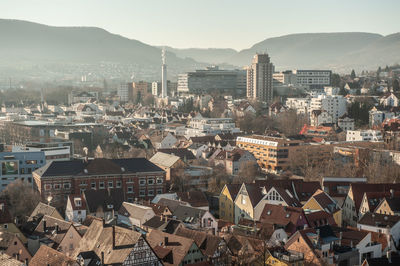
(346, 123)
(336, 105)
(76, 209)
(364, 135)
(133, 214)
(383, 224)
(319, 117)
(389, 100)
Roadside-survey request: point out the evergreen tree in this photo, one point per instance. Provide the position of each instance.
(396, 85)
(353, 74)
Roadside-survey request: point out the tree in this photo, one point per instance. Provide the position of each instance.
(335, 80)
(342, 91)
(396, 85)
(22, 199)
(353, 74)
(148, 100)
(248, 172)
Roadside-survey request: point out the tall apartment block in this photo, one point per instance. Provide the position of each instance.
(259, 78)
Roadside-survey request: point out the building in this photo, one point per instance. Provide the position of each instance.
(164, 88)
(364, 135)
(82, 97)
(211, 79)
(335, 106)
(346, 123)
(115, 245)
(140, 90)
(124, 91)
(285, 78)
(55, 149)
(227, 202)
(201, 126)
(19, 166)
(259, 78)
(131, 214)
(76, 209)
(272, 153)
(313, 78)
(137, 177)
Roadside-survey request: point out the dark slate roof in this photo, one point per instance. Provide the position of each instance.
(182, 153)
(96, 199)
(379, 220)
(97, 166)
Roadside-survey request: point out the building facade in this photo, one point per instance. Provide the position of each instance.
(259, 78)
(138, 178)
(19, 166)
(211, 79)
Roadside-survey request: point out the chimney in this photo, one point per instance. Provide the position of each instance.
(340, 238)
(104, 222)
(113, 237)
(44, 226)
(102, 258)
(57, 228)
(392, 193)
(166, 241)
(389, 256)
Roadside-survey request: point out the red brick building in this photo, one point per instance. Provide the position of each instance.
(138, 178)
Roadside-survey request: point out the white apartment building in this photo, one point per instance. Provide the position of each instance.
(336, 106)
(331, 90)
(259, 78)
(376, 117)
(200, 126)
(364, 135)
(301, 105)
(346, 123)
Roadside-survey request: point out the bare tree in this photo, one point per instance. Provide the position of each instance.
(22, 199)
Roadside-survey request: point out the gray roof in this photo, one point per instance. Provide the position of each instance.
(164, 159)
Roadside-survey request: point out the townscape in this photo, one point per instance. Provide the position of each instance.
(256, 164)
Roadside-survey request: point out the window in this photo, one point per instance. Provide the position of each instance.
(22, 171)
(110, 184)
(159, 180)
(129, 180)
(150, 181)
(67, 185)
(142, 193)
(150, 192)
(142, 182)
(118, 183)
(47, 187)
(93, 185)
(57, 186)
(159, 191)
(101, 185)
(31, 162)
(130, 189)
(83, 183)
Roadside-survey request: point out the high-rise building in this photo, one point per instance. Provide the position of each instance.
(164, 87)
(259, 78)
(124, 91)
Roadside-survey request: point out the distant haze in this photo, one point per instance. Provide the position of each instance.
(210, 23)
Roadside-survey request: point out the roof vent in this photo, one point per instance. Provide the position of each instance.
(385, 218)
(122, 169)
(85, 171)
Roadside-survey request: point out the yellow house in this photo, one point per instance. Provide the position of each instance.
(227, 202)
(322, 201)
(389, 206)
(246, 200)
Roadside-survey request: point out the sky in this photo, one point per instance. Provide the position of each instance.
(237, 24)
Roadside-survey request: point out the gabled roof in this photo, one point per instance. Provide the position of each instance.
(53, 229)
(394, 204)
(325, 201)
(50, 257)
(282, 215)
(104, 199)
(182, 153)
(254, 192)
(358, 190)
(318, 218)
(99, 238)
(178, 246)
(208, 243)
(164, 159)
(74, 206)
(188, 214)
(379, 220)
(233, 190)
(194, 198)
(133, 210)
(9, 261)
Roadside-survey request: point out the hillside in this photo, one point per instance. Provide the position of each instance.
(27, 42)
(210, 55)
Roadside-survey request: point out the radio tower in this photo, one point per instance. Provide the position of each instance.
(164, 92)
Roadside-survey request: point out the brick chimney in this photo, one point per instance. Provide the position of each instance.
(44, 226)
(166, 241)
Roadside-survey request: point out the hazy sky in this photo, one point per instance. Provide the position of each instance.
(210, 23)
